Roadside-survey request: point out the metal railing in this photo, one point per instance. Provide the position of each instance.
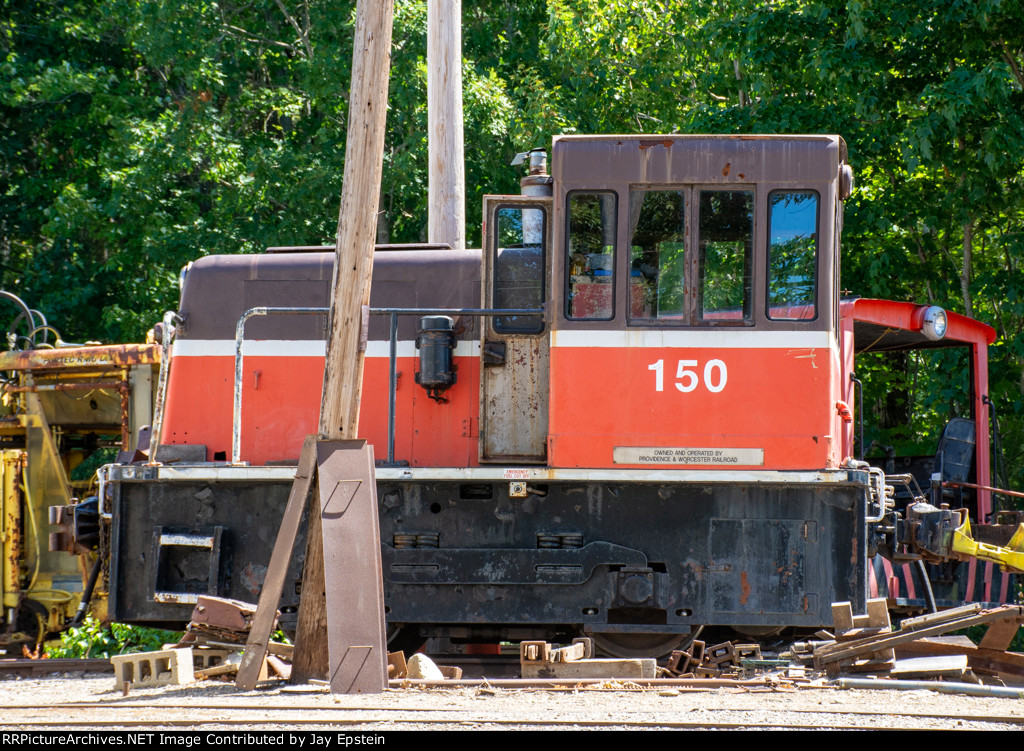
(392, 313)
(236, 422)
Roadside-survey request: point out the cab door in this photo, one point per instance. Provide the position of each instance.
(514, 348)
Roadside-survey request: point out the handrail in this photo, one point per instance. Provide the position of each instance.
(393, 313)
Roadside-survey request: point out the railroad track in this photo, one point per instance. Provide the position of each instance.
(492, 667)
(40, 668)
(311, 717)
(161, 710)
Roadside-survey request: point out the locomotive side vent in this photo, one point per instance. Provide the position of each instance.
(562, 541)
(410, 541)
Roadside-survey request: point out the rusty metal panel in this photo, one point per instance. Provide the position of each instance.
(514, 385)
(47, 485)
(352, 567)
(81, 358)
(764, 566)
(680, 159)
(514, 415)
(97, 404)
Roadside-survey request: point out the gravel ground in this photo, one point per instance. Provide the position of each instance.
(70, 701)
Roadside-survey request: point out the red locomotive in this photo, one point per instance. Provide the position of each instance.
(631, 413)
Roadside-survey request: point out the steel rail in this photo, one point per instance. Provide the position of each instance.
(213, 724)
(991, 718)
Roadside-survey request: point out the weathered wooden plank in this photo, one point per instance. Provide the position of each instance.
(933, 666)
(986, 660)
(850, 650)
(273, 582)
(878, 613)
(942, 616)
(999, 635)
(311, 662)
(595, 668)
(842, 617)
(878, 617)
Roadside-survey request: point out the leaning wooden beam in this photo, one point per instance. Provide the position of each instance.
(273, 582)
(979, 658)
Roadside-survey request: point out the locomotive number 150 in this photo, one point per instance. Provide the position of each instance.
(687, 380)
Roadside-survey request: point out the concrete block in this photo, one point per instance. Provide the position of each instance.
(167, 667)
(593, 668)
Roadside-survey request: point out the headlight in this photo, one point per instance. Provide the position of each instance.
(934, 324)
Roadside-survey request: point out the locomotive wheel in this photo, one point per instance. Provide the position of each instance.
(638, 645)
(759, 632)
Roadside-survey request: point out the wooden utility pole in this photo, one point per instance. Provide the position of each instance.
(447, 174)
(341, 610)
(350, 296)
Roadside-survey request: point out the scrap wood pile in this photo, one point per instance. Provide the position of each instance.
(217, 634)
(867, 644)
(211, 646)
(220, 627)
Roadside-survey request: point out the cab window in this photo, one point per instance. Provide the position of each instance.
(657, 269)
(590, 260)
(792, 255)
(519, 268)
(725, 248)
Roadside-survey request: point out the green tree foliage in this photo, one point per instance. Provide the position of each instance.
(136, 136)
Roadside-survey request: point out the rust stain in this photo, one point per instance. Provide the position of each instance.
(726, 169)
(742, 176)
(648, 144)
(745, 587)
(116, 355)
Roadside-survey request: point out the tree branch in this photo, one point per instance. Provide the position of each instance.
(1014, 68)
(250, 37)
(303, 34)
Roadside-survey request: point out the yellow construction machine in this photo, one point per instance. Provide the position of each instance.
(65, 409)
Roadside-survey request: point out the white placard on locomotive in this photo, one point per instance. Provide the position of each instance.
(672, 455)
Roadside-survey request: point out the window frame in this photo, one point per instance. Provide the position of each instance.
(566, 254)
(768, 257)
(749, 318)
(497, 321)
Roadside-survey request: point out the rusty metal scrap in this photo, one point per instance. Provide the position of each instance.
(1005, 622)
(711, 662)
(81, 358)
(219, 621)
(108, 356)
(223, 613)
